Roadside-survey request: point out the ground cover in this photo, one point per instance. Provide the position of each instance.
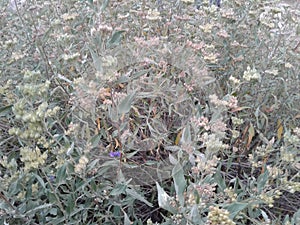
(149, 112)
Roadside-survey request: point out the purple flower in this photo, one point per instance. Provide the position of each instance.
(115, 154)
(51, 178)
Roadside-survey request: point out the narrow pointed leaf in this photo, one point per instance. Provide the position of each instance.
(179, 182)
(5, 110)
(115, 39)
(186, 135)
(96, 60)
(125, 105)
(262, 181)
(126, 219)
(137, 196)
(164, 199)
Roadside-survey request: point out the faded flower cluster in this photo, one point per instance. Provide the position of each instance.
(217, 216)
(230, 101)
(205, 166)
(201, 122)
(32, 158)
(32, 109)
(153, 15)
(251, 74)
(212, 143)
(80, 167)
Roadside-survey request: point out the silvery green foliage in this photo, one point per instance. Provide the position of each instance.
(129, 78)
(15, 4)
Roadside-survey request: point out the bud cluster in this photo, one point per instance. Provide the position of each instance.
(218, 216)
(32, 109)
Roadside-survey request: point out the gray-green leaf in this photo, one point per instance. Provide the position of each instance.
(262, 181)
(186, 136)
(179, 182)
(115, 39)
(164, 199)
(125, 105)
(126, 219)
(137, 196)
(235, 208)
(104, 5)
(96, 60)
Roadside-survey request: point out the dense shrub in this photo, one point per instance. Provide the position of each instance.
(166, 112)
